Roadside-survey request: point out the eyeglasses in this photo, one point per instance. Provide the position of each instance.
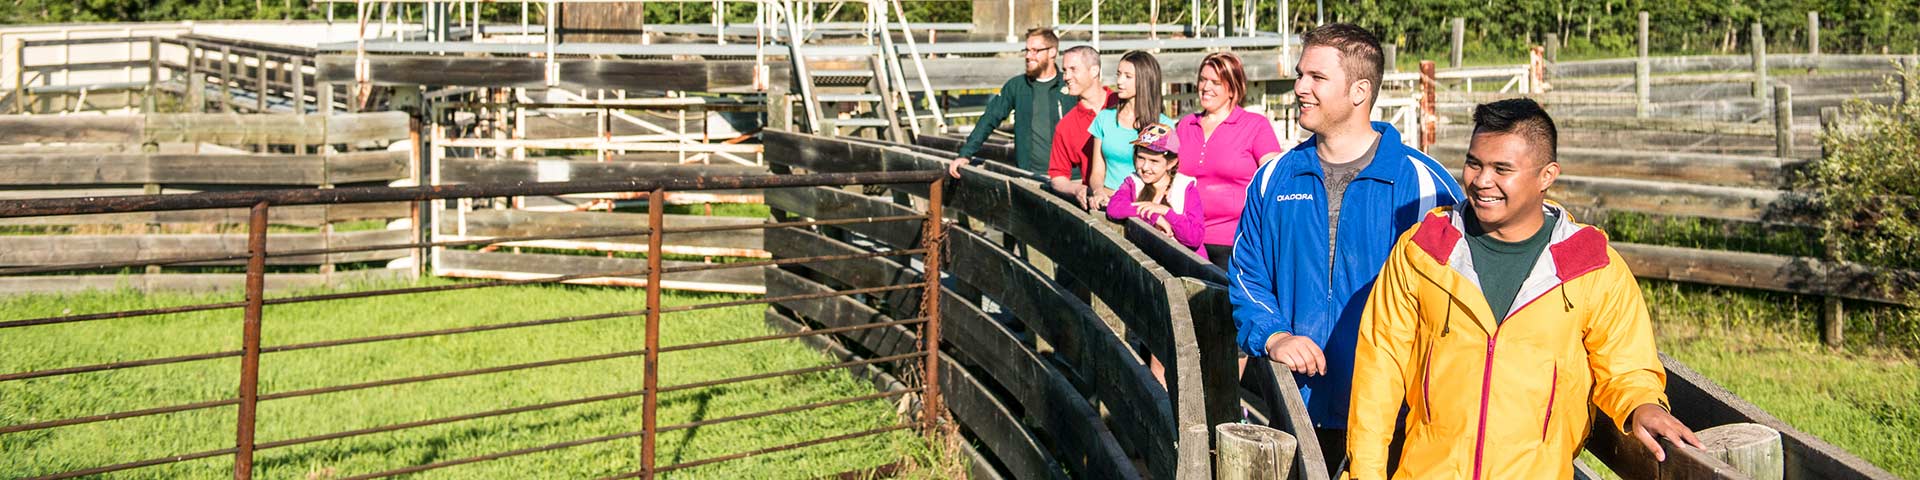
(1036, 51)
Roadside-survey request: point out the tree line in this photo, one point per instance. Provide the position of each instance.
(1494, 28)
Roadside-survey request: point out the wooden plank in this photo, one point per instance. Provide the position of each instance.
(80, 169)
(522, 223)
(1727, 170)
(1078, 336)
(1136, 292)
(33, 250)
(487, 170)
(372, 166)
(1800, 275)
(512, 266)
(15, 129)
(1106, 264)
(305, 215)
(1700, 403)
(574, 73)
(191, 282)
(1213, 331)
(968, 400)
(234, 128)
(1806, 143)
(1046, 397)
(1682, 200)
(364, 127)
(1629, 459)
(823, 202)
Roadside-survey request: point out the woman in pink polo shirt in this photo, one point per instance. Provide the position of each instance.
(1223, 145)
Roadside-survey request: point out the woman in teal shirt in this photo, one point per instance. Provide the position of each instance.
(1115, 129)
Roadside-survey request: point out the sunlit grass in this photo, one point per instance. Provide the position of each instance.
(83, 446)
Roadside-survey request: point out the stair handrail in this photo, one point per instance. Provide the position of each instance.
(919, 65)
(890, 67)
(800, 74)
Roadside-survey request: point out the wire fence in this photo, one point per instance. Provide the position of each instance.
(250, 394)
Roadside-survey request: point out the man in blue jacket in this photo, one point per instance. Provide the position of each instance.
(1319, 223)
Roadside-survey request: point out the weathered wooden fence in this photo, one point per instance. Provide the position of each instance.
(68, 156)
(1066, 291)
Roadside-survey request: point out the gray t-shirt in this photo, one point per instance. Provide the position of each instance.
(1337, 177)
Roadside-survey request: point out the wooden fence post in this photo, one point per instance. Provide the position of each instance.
(20, 96)
(1813, 32)
(1833, 315)
(1536, 69)
(1391, 53)
(323, 98)
(1459, 41)
(1253, 452)
(196, 92)
(299, 85)
(1643, 75)
(1759, 61)
(1751, 448)
(1428, 125)
(1553, 47)
(260, 81)
(226, 79)
(152, 102)
(1783, 120)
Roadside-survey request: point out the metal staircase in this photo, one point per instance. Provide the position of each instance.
(845, 96)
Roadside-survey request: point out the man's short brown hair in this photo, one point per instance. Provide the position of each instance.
(1046, 34)
(1359, 50)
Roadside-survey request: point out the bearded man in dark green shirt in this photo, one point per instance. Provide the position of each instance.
(1036, 99)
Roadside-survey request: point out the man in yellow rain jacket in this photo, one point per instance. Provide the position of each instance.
(1498, 322)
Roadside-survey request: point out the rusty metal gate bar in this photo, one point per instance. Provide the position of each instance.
(248, 398)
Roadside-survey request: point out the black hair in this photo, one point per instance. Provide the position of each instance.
(1519, 116)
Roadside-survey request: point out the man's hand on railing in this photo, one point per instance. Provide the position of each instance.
(1650, 421)
(1066, 186)
(953, 167)
(1297, 353)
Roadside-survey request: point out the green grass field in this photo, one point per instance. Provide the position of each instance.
(1765, 348)
(82, 446)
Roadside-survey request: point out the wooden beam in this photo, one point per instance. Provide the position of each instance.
(1078, 336)
(208, 169)
(990, 420)
(24, 250)
(523, 223)
(977, 465)
(1700, 403)
(1727, 170)
(575, 73)
(487, 170)
(821, 202)
(1799, 275)
(306, 216)
(15, 129)
(189, 282)
(1628, 458)
(511, 266)
(1043, 393)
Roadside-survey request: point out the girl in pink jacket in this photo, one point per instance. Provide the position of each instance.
(1157, 193)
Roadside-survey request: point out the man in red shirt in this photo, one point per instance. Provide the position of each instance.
(1072, 144)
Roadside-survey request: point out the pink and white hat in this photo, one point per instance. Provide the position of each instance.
(1159, 138)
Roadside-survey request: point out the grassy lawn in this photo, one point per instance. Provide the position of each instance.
(1765, 348)
(82, 446)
